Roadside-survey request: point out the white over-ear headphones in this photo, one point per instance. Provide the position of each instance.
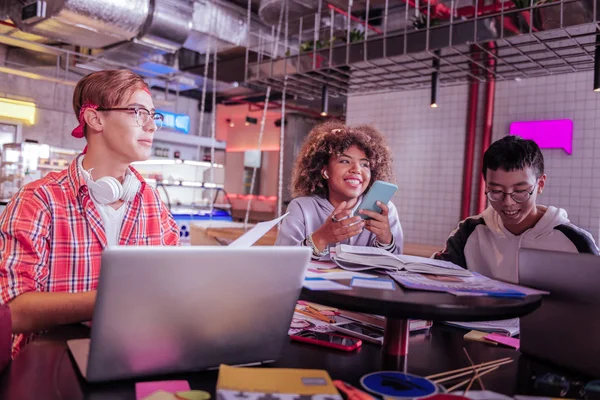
(107, 190)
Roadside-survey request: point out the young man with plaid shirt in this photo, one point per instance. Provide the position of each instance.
(54, 230)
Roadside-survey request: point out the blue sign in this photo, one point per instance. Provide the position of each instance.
(398, 385)
(178, 122)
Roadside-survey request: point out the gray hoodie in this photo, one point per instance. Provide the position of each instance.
(483, 244)
(309, 213)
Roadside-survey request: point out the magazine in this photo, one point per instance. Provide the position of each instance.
(474, 285)
(508, 327)
(363, 258)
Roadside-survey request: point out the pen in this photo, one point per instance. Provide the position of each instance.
(316, 315)
(323, 313)
(350, 392)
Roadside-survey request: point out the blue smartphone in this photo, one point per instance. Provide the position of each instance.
(379, 191)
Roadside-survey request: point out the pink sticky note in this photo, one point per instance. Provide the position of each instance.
(549, 134)
(145, 389)
(508, 341)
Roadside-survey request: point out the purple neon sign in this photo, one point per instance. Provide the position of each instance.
(549, 134)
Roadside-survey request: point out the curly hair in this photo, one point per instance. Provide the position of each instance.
(332, 139)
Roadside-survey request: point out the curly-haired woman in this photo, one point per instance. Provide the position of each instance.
(336, 165)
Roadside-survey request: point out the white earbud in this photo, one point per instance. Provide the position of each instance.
(325, 175)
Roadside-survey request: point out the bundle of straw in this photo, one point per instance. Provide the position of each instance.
(474, 371)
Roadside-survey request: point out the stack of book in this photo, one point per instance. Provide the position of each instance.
(379, 321)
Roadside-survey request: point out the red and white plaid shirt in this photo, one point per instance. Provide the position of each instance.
(52, 236)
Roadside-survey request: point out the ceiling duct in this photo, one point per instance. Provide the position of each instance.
(158, 24)
(169, 25)
(87, 23)
(269, 10)
(273, 11)
(216, 25)
(142, 35)
(164, 32)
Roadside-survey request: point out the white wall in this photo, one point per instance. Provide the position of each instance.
(55, 118)
(572, 179)
(428, 146)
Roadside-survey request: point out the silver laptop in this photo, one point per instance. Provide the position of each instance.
(179, 309)
(565, 329)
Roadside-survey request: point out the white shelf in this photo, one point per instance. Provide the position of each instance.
(171, 161)
(187, 184)
(187, 139)
(52, 167)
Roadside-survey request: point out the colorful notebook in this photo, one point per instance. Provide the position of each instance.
(235, 383)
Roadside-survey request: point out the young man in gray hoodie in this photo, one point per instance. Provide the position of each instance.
(489, 243)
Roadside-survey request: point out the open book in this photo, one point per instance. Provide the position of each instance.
(362, 258)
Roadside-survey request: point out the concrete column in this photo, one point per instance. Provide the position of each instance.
(296, 130)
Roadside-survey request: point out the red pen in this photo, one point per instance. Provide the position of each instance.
(350, 392)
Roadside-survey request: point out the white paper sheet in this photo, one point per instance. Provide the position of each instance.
(324, 284)
(252, 236)
(376, 283)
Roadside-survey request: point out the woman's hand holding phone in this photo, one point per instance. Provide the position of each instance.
(379, 223)
(339, 226)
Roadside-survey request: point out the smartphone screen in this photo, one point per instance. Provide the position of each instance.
(328, 337)
(368, 331)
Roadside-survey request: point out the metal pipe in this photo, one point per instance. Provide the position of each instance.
(325, 101)
(488, 121)
(470, 138)
(281, 151)
(260, 137)
(435, 78)
(597, 64)
(275, 104)
(248, 19)
(213, 132)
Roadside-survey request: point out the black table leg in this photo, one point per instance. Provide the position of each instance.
(395, 337)
(394, 363)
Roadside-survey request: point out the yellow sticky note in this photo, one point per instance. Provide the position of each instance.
(161, 395)
(478, 336)
(193, 395)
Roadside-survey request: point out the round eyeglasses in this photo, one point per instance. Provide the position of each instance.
(519, 196)
(142, 115)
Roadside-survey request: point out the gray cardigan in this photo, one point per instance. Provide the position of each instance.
(308, 213)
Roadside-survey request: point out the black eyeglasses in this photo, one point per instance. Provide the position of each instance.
(519, 196)
(142, 115)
